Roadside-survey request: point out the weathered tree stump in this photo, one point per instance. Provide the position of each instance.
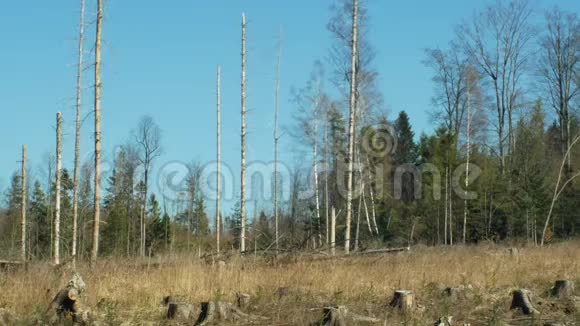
(444, 321)
(521, 301)
(403, 300)
(513, 252)
(562, 289)
(334, 316)
(242, 300)
(178, 309)
(66, 302)
(340, 316)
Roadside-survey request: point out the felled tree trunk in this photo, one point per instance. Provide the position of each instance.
(403, 300)
(563, 289)
(521, 300)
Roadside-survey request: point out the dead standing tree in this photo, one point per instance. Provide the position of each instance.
(78, 131)
(23, 206)
(97, 188)
(351, 115)
(243, 141)
(218, 175)
(58, 173)
(148, 138)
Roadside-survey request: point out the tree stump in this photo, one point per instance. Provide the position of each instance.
(444, 321)
(242, 300)
(178, 309)
(403, 300)
(221, 311)
(521, 301)
(334, 316)
(562, 289)
(65, 304)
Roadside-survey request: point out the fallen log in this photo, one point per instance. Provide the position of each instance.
(521, 301)
(8, 265)
(562, 289)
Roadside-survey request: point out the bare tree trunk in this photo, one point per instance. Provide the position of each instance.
(333, 231)
(357, 232)
(57, 189)
(243, 167)
(364, 200)
(371, 193)
(446, 207)
(49, 206)
(276, 139)
(218, 176)
(467, 165)
(352, 109)
(315, 170)
(78, 133)
(97, 198)
(23, 206)
(450, 211)
(326, 197)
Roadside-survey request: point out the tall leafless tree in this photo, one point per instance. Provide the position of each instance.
(218, 175)
(23, 206)
(560, 49)
(148, 139)
(351, 117)
(78, 131)
(496, 41)
(97, 187)
(58, 173)
(243, 140)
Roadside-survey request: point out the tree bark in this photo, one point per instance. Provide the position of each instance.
(521, 300)
(57, 189)
(78, 132)
(352, 109)
(97, 187)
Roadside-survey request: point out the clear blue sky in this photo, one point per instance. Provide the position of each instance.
(160, 57)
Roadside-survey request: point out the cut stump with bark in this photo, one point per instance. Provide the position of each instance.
(521, 301)
(242, 300)
(562, 289)
(179, 309)
(403, 300)
(66, 302)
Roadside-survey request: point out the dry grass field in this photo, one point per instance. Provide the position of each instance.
(131, 293)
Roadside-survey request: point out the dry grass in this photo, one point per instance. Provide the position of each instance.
(131, 292)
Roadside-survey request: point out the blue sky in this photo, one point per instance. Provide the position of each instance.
(160, 57)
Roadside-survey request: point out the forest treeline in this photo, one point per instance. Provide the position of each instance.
(505, 114)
